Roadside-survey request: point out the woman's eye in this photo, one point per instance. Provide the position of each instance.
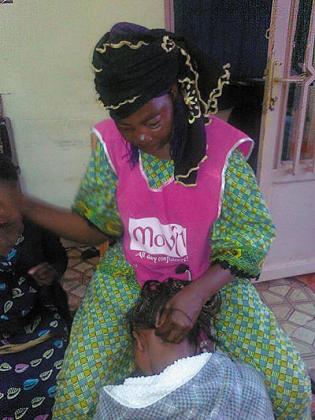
(154, 124)
(125, 129)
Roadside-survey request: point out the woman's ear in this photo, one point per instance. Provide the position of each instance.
(139, 341)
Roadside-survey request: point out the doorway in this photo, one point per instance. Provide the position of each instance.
(271, 46)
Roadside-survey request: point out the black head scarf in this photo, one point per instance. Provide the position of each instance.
(133, 64)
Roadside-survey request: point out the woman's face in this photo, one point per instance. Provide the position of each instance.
(150, 127)
(11, 225)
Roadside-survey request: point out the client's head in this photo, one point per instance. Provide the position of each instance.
(152, 354)
(10, 218)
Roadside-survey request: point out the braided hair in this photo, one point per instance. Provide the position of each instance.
(153, 298)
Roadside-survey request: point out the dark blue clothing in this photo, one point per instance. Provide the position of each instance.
(29, 312)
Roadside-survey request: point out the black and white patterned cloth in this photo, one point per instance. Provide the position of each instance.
(207, 386)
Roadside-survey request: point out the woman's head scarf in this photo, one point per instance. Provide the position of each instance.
(133, 64)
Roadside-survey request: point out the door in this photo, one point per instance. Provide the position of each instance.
(286, 168)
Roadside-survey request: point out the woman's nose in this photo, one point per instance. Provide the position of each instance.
(142, 136)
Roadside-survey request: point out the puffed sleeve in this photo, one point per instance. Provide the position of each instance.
(95, 199)
(242, 235)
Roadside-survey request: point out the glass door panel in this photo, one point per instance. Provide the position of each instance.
(308, 143)
(297, 133)
(291, 121)
(300, 38)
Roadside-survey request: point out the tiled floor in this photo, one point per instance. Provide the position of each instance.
(291, 299)
(293, 303)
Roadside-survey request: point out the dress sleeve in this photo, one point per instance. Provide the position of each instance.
(96, 198)
(242, 235)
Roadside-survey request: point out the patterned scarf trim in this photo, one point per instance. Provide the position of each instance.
(188, 85)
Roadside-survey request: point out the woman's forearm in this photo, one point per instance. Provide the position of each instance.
(62, 222)
(211, 282)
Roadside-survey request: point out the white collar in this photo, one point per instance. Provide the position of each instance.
(143, 391)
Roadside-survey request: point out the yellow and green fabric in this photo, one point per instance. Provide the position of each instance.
(100, 349)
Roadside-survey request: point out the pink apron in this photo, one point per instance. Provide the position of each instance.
(169, 228)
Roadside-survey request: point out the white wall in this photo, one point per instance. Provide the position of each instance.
(47, 83)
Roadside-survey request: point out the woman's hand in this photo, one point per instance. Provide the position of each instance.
(181, 312)
(179, 315)
(44, 274)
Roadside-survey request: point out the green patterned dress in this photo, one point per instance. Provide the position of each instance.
(100, 349)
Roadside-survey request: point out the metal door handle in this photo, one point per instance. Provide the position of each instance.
(297, 79)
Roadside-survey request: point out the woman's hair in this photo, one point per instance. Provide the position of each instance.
(8, 171)
(153, 298)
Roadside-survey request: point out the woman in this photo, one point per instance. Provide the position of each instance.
(185, 378)
(34, 315)
(186, 204)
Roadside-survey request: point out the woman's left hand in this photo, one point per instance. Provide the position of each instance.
(179, 315)
(181, 312)
(44, 274)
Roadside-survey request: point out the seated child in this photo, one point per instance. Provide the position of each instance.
(185, 380)
(34, 315)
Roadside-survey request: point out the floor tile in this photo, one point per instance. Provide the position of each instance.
(312, 372)
(94, 261)
(298, 295)
(282, 311)
(74, 302)
(83, 267)
(71, 274)
(73, 261)
(311, 324)
(73, 252)
(280, 290)
(271, 298)
(68, 285)
(288, 327)
(304, 334)
(79, 291)
(89, 273)
(310, 362)
(300, 318)
(309, 308)
(303, 348)
(261, 286)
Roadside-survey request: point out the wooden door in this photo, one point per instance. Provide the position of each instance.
(286, 169)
